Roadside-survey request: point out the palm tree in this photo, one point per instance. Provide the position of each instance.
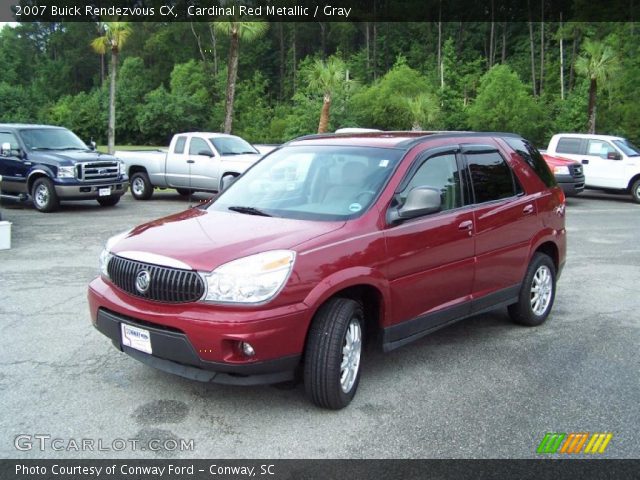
(326, 77)
(114, 38)
(598, 63)
(236, 31)
(424, 110)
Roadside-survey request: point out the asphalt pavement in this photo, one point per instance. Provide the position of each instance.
(483, 388)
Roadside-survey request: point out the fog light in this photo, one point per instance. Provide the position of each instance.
(247, 349)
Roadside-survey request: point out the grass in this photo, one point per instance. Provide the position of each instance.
(104, 149)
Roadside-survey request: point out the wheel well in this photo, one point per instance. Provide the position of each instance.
(135, 169)
(32, 179)
(371, 300)
(550, 249)
(632, 181)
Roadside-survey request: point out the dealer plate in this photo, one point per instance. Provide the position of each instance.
(135, 337)
(104, 192)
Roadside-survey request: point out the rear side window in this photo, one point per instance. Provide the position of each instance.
(569, 145)
(490, 177)
(180, 142)
(532, 156)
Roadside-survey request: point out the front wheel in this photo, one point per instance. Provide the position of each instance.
(635, 191)
(109, 201)
(141, 187)
(44, 195)
(333, 353)
(537, 293)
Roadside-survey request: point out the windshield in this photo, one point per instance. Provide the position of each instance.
(232, 146)
(629, 149)
(311, 183)
(51, 139)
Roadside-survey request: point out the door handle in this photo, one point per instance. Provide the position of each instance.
(585, 161)
(191, 161)
(466, 225)
(528, 210)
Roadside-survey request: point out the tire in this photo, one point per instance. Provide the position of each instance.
(635, 191)
(185, 192)
(530, 310)
(141, 187)
(109, 201)
(44, 195)
(338, 324)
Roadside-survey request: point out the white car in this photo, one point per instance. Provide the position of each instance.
(610, 163)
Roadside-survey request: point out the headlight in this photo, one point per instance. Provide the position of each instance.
(252, 279)
(122, 168)
(66, 172)
(105, 255)
(561, 170)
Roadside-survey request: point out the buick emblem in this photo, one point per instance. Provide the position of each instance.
(143, 281)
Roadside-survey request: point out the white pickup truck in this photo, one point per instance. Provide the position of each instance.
(609, 163)
(196, 161)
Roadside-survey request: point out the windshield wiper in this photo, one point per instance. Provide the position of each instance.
(249, 211)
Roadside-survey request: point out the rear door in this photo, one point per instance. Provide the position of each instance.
(505, 220)
(431, 270)
(176, 167)
(13, 169)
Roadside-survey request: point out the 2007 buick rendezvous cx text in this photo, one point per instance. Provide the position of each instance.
(331, 240)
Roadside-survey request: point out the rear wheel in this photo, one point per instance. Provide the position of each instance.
(141, 187)
(333, 354)
(109, 201)
(44, 195)
(635, 191)
(537, 293)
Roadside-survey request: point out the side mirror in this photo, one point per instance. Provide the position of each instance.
(5, 150)
(92, 145)
(614, 156)
(207, 153)
(420, 201)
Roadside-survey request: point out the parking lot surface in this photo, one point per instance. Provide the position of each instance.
(483, 388)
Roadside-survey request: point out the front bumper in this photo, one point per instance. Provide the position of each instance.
(81, 191)
(200, 341)
(571, 185)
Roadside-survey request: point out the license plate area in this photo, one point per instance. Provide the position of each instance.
(135, 337)
(104, 192)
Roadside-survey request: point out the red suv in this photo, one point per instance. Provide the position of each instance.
(329, 241)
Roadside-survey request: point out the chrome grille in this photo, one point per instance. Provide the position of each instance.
(98, 171)
(167, 285)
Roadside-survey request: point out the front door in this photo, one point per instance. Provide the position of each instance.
(600, 169)
(431, 270)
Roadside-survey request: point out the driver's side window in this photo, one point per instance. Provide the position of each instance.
(199, 146)
(439, 172)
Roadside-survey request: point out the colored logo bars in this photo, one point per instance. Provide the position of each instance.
(574, 443)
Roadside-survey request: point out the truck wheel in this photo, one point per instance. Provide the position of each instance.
(537, 293)
(635, 191)
(185, 192)
(141, 187)
(109, 201)
(332, 358)
(44, 195)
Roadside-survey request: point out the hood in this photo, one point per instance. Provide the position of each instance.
(69, 157)
(558, 161)
(206, 239)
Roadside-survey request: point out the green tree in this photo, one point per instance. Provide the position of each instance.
(598, 64)
(326, 77)
(114, 38)
(505, 104)
(236, 31)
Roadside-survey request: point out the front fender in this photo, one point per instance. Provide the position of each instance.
(351, 277)
(39, 170)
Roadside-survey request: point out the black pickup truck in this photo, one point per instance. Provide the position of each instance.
(51, 164)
